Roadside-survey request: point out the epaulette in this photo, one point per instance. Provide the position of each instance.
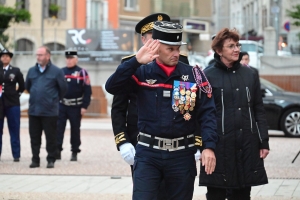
(127, 57)
(182, 54)
(183, 58)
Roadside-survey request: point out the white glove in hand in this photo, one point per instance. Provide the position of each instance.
(127, 151)
(197, 155)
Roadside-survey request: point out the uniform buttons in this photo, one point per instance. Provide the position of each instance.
(239, 108)
(237, 89)
(241, 129)
(233, 72)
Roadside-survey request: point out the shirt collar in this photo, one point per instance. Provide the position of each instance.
(6, 68)
(41, 69)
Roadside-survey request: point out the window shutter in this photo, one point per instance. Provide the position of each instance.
(46, 8)
(18, 3)
(27, 4)
(62, 14)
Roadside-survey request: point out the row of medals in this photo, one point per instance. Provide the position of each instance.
(184, 101)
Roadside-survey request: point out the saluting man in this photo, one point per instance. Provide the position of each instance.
(171, 101)
(124, 109)
(74, 104)
(11, 102)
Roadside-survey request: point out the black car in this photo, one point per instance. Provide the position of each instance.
(282, 108)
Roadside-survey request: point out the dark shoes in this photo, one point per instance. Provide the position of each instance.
(16, 159)
(34, 165)
(50, 165)
(74, 157)
(58, 155)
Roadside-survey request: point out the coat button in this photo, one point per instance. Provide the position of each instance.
(237, 89)
(241, 129)
(233, 71)
(239, 108)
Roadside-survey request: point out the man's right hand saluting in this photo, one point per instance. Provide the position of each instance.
(148, 52)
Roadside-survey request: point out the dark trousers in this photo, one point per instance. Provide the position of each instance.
(38, 124)
(221, 193)
(178, 172)
(12, 115)
(161, 195)
(74, 115)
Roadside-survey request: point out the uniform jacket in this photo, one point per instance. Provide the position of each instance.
(1, 81)
(78, 85)
(11, 94)
(242, 127)
(155, 114)
(124, 113)
(46, 89)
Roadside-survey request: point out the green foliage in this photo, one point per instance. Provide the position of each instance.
(8, 15)
(295, 14)
(53, 7)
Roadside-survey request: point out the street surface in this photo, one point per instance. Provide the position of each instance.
(100, 161)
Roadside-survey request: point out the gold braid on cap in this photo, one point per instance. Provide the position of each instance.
(149, 26)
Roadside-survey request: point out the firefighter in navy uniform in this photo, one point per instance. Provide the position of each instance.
(170, 101)
(124, 108)
(74, 104)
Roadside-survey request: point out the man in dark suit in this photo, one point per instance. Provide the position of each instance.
(11, 102)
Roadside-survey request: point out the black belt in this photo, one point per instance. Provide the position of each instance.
(165, 143)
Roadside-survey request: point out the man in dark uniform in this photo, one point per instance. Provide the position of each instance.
(124, 109)
(74, 104)
(1, 104)
(11, 102)
(170, 101)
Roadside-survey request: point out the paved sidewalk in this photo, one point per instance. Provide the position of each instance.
(105, 187)
(100, 172)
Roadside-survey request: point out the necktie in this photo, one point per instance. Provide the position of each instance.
(4, 70)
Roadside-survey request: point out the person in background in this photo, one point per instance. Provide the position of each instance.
(124, 108)
(242, 127)
(12, 88)
(246, 60)
(74, 104)
(46, 85)
(168, 109)
(1, 104)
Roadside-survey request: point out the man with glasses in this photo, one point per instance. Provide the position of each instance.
(74, 104)
(46, 85)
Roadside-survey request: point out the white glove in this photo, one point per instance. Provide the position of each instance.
(197, 155)
(127, 151)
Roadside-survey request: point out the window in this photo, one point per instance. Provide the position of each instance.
(53, 46)
(55, 9)
(2, 2)
(24, 45)
(23, 4)
(96, 8)
(130, 4)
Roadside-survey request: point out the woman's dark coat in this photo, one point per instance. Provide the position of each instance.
(242, 127)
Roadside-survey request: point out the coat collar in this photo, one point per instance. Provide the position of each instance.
(219, 64)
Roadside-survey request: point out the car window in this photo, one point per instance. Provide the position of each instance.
(248, 47)
(270, 85)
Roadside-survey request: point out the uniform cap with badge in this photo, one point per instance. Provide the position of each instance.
(70, 53)
(6, 52)
(146, 24)
(168, 32)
